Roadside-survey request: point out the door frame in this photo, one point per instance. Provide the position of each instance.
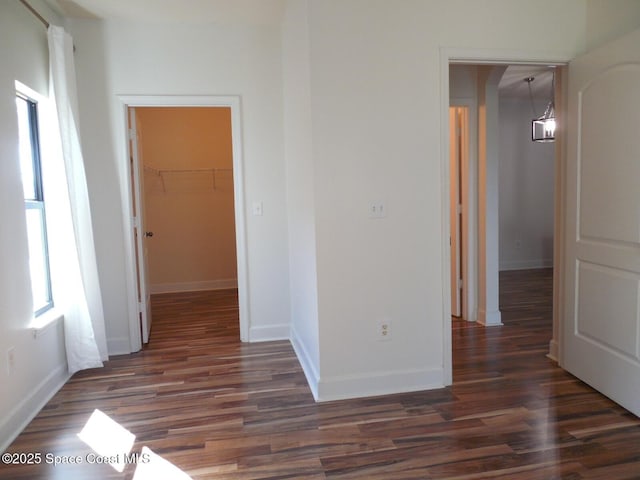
(469, 231)
(232, 102)
(456, 218)
(473, 56)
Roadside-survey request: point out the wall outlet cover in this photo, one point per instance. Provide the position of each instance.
(384, 330)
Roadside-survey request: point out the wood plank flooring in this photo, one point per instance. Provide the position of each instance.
(220, 409)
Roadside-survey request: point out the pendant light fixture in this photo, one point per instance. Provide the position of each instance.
(543, 128)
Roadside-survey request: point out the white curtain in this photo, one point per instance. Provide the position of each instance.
(74, 268)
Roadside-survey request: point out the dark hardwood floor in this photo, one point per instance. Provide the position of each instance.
(220, 409)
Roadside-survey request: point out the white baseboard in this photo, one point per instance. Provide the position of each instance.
(553, 350)
(20, 416)
(269, 333)
(489, 319)
(526, 264)
(118, 346)
(220, 284)
(308, 365)
(357, 386)
(385, 383)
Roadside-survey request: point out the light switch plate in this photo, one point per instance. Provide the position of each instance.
(377, 210)
(256, 209)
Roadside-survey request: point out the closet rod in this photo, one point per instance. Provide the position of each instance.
(192, 170)
(35, 13)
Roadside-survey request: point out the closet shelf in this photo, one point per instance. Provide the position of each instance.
(166, 174)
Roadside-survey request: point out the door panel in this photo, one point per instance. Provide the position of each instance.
(455, 212)
(609, 183)
(141, 239)
(601, 335)
(621, 288)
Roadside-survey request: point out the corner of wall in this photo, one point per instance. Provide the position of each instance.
(118, 345)
(606, 21)
(269, 333)
(554, 349)
(383, 383)
(19, 417)
(308, 366)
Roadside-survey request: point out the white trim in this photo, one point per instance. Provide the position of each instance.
(119, 345)
(23, 89)
(469, 233)
(489, 56)
(269, 333)
(45, 322)
(384, 383)
(476, 56)
(489, 319)
(220, 284)
(308, 367)
(234, 102)
(554, 350)
(18, 418)
(447, 346)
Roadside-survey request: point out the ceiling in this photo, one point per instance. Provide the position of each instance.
(513, 84)
(254, 12)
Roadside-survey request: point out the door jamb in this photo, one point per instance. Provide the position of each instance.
(233, 102)
(469, 231)
(492, 57)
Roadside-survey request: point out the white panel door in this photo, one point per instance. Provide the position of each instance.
(601, 334)
(455, 205)
(140, 234)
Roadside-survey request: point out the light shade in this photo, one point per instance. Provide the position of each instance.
(543, 129)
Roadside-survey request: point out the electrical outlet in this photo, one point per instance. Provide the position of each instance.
(11, 360)
(384, 330)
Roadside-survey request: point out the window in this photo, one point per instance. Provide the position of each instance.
(34, 203)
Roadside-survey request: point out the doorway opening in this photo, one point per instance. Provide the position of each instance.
(185, 200)
(502, 225)
(185, 173)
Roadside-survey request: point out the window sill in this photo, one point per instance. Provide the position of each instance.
(45, 322)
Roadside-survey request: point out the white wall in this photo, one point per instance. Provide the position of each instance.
(373, 113)
(371, 104)
(118, 57)
(610, 19)
(375, 100)
(368, 82)
(300, 189)
(526, 188)
(40, 363)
